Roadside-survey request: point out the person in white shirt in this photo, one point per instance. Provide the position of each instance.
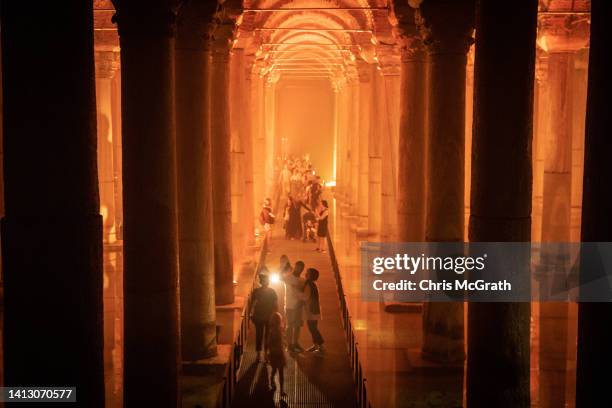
(294, 285)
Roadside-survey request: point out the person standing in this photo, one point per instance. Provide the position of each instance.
(266, 219)
(277, 355)
(312, 309)
(264, 302)
(294, 285)
(322, 228)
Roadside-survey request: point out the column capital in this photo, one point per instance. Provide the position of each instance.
(107, 63)
(193, 24)
(364, 71)
(406, 32)
(563, 33)
(145, 18)
(541, 66)
(446, 26)
(221, 31)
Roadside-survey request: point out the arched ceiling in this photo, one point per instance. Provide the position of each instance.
(314, 38)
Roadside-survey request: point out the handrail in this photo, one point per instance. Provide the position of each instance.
(231, 372)
(349, 333)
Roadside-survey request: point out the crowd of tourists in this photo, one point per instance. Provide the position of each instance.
(304, 217)
(304, 214)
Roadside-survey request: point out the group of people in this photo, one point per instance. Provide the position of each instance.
(301, 304)
(305, 215)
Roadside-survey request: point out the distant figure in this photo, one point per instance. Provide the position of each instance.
(277, 354)
(285, 180)
(294, 285)
(314, 192)
(264, 304)
(312, 309)
(322, 229)
(266, 219)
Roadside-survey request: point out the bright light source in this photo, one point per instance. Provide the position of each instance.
(274, 278)
(331, 183)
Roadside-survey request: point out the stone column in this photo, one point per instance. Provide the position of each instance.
(246, 137)
(412, 142)
(446, 29)
(594, 325)
(194, 194)
(354, 146)
(557, 185)
(556, 207)
(389, 148)
(364, 119)
(117, 148)
(498, 333)
(541, 124)
(377, 137)
(52, 228)
(258, 142)
(237, 113)
(107, 63)
(220, 140)
(151, 278)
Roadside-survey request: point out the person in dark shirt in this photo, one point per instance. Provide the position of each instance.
(264, 303)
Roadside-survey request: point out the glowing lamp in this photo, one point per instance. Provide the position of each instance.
(274, 278)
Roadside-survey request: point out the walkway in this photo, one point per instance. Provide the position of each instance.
(310, 380)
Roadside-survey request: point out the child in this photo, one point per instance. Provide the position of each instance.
(277, 354)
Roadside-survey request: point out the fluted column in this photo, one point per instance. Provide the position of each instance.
(594, 319)
(412, 144)
(221, 33)
(498, 337)
(151, 278)
(446, 29)
(52, 228)
(194, 194)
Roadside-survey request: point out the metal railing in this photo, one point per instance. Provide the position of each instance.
(231, 373)
(351, 340)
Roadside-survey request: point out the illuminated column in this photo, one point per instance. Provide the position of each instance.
(107, 63)
(562, 46)
(389, 120)
(364, 118)
(469, 113)
(354, 146)
(194, 195)
(246, 128)
(258, 140)
(117, 148)
(541, 120)
(377, 136)
(411, 172)
(594, 326)
(447, 33)
(498, 333)
(237, 113)
(270, 153)
(52, 228)
(149, 179)
(220, 162)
